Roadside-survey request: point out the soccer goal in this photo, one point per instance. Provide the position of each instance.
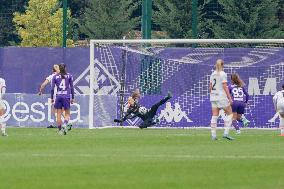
(182, 66)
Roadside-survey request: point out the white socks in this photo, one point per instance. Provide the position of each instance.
(2, 125)
(282, 131)
(228, 124)
(214, 126)
(281, 125)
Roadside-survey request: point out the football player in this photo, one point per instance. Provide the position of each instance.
(147, 115)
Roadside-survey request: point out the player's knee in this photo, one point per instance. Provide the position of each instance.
(228, 121)
(229, 117)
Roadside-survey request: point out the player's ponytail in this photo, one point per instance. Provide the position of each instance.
(62, 68)
(237, 80)
(219, 65)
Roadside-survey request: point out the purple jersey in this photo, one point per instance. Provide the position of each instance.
(238, 94)
(64, 86)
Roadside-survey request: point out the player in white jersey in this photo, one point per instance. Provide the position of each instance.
(220, 99)
(278, 101)
(55, 70)
(2, 107)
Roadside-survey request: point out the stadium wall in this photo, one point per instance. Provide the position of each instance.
(184, 71)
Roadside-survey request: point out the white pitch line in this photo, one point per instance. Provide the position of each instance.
(164, 156)
(215, 157)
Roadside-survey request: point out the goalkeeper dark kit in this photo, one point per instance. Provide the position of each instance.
(147, 115)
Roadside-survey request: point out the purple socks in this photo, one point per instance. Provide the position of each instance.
(235, 124)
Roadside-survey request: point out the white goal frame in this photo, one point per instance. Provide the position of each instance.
(159, 41)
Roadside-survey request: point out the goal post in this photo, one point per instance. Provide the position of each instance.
(146, 43)
(92, 76)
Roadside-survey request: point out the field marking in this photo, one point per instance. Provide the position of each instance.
(154, 128)
(170, 133)
(164, 156)
(216, 157)
(184, 128)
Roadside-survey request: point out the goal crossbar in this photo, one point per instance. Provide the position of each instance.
(184, 41)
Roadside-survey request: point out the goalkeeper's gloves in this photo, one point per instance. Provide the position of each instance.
(117, 120)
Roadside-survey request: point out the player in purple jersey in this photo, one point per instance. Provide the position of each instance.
(55, 70)
(64, 96)
(240, 99)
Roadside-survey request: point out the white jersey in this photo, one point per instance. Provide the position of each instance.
(2, 85)
(278, 100)
(49, 79)
(217, 79)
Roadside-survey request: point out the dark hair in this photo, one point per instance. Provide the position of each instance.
(237, 80)
(62, 68)
(283, 86)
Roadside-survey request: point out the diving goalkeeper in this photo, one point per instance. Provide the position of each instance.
(134, 109)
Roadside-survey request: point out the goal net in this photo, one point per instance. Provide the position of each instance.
(182, 66)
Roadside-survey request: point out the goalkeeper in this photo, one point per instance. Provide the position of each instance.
(134, 109)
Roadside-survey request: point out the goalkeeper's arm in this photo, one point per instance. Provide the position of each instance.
(129, 115)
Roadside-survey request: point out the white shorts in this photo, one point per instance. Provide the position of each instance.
(280, 106)
(2, 105)
(220, 104)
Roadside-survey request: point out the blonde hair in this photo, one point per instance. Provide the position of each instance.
(219, 65)
(130, 100)
(56, 68)
(136, 95)
(237, 80)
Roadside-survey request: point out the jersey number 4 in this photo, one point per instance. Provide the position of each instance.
(62, 85)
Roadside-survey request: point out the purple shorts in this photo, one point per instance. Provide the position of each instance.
(62, 102)
(238, 107)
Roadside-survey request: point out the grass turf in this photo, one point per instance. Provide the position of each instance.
(133, 158)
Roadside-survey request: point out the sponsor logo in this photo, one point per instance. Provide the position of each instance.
(104, 82)
(36, 112)
(173, 114)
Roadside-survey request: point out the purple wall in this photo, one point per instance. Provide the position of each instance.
(184, 71)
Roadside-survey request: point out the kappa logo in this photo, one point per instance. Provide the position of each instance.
(104, 82)
(175, 114)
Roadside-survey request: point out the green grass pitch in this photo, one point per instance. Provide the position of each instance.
(134, 159)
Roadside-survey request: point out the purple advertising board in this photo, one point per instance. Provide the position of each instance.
(184, 71)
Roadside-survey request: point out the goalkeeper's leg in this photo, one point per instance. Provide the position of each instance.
(147, 123)
(155, 107)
